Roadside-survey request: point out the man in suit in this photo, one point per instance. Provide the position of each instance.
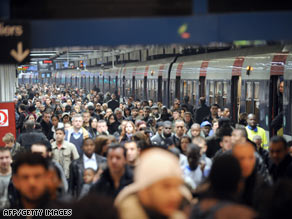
(88, 159)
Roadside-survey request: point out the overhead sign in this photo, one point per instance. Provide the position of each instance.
(7, 120)
(14, 42)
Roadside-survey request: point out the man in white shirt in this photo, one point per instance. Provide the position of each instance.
(89, 159)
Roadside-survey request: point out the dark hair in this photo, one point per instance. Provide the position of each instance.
(2, 149)
(22, 107)
(55, 116)
(215, 104)
(60, 129)
(87, 139)
(31, 159)
(114, 146)
(91, 169)
(225, 175)
(226, 131)
(279, 139)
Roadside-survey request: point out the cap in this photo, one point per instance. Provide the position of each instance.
(205, 123)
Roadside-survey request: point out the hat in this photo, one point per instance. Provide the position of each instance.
(154, 165)
(65, 114)
(90, 104)
(205, 123)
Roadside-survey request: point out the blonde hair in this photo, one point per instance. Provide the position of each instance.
(9, 137)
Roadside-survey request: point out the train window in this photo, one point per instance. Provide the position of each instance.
(184, 88)
(211, 92)
(218, 93)
(256, 90)
(189, 89)
(194, 91)
(249, 90)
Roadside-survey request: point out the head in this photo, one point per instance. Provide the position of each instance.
(88, 175)
(206, 127)
(167, 128)
(252, 120)
(86, 117)
(132, 152)
(225, 183)
(102, 126)
(214, 110)
(30, 172)
(9, 140)
(193, 155)
(238, 136)
(201, 143)
(60, 135)
(116, 159)
(245, 154)
(161, 191)
(130, 127)
(257, 140)
(226, 113)
(179, 127)
(187, 117)
(47, 117)
(195, 130)
(55, 120)
(66, 119)
(40, 148)
(77, 121)
(5, 159)
(278, 149)
(225, 139)
(184, 142)
(159, 127)
(88, 147)
(134, 112)
(119, 113)
(147, 111)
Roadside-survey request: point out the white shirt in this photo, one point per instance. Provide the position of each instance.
(90, 162)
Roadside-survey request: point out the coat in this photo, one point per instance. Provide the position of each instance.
(76, 174)
(105, 185)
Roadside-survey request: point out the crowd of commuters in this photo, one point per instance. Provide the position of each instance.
(107, 157)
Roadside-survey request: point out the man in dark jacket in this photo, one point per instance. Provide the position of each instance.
(113, 103)
(22, 116)
(30, 136)
(47, 125)
(281, 161)
(117, 176)
(202, 112)
(78, 166)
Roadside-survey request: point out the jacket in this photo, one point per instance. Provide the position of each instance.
(76, 174)
(47, 130)
(105, 185)
(28, 138)
(65, 155)
(283, 170)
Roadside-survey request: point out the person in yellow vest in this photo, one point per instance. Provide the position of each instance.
(253, 130)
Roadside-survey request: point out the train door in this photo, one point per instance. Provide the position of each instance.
(275, 105)
(202, 81)
(252, 89)
(134, 87)
(123, 85)
(177, 87)
(145, 88)
(235, 97)
(159, 90)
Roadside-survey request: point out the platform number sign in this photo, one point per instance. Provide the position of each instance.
(4, 117)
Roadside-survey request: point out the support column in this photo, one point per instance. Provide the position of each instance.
(8, 82)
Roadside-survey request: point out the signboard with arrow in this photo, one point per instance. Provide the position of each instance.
(14, 42)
